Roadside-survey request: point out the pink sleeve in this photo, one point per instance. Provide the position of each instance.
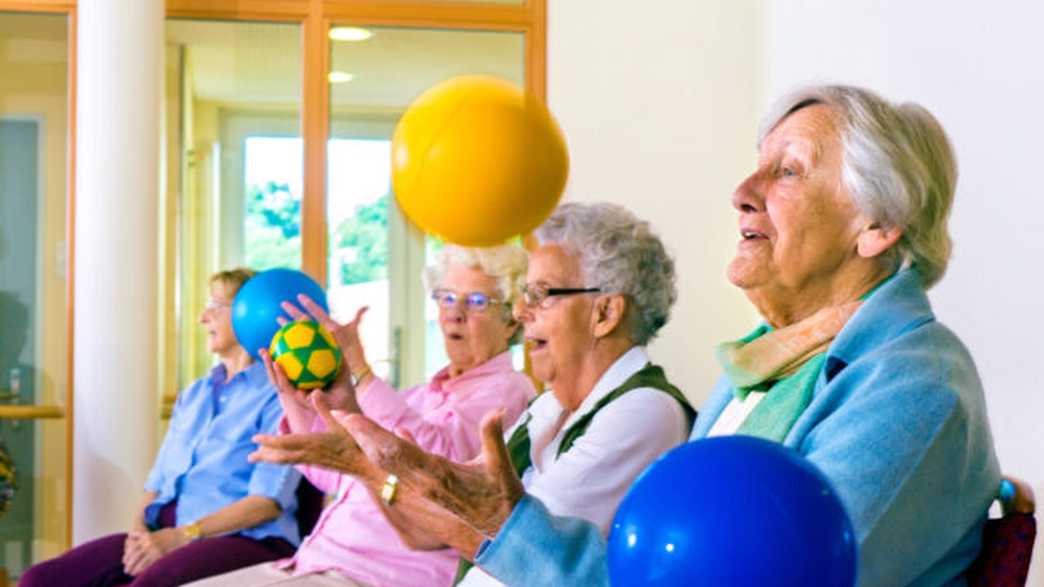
(323, 479)
(452, 429)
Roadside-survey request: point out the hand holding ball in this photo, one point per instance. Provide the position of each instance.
(476, 161)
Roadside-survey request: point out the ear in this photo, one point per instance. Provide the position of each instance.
(875, 239)
(608, 314)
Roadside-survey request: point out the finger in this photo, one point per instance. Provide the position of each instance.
(134, 563)
(358, 316)
(496, 456)
(281, 321)
(265, 454)
(323, 409)
(380, 446)
(279, 378)
(318, 312)
(294, 311)
(404, 434)
(143, 562)
(269, 366)
(129, 548)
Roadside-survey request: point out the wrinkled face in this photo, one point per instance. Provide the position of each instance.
(559, 331)
(798, 227)
(473, 336)
(217, 320)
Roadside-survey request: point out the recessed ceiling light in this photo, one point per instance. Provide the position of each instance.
(350, 33)
(339, 77)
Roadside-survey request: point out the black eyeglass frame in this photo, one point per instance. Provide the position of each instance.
(554, 292)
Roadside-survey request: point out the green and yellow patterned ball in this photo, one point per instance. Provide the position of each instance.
(308, 354)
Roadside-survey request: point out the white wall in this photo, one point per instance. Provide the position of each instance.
(659, 102)
(659, 105)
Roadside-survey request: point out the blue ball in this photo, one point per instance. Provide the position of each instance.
(732, 510)
(256, 305)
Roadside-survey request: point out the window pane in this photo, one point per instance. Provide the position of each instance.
(234, 161)
(375, 256)
(33, 318)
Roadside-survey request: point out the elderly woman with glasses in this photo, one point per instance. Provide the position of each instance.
(206, 509)
(353, 541)
(600, 286)
(842, 229)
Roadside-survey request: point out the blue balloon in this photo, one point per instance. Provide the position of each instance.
(256, 305)
(732, 510)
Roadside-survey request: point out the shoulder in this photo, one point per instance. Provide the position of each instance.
(644, 411)
(928, 360)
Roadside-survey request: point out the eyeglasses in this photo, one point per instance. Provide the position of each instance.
(474, 301)
(213, 304)
(538, 294)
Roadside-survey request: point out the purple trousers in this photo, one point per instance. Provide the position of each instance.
(99, 563)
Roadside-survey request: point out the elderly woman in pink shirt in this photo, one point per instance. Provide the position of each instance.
(353, 543)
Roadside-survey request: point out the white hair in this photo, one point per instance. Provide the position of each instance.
(619, 253)
(898, 166)
(505, 263)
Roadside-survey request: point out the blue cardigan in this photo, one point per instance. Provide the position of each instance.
(897, 422)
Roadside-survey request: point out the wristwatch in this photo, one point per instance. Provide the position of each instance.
(192, 531)
(358, 376)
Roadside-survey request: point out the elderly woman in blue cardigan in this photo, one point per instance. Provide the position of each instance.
(842, 228)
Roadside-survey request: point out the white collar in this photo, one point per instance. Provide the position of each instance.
(546, 412)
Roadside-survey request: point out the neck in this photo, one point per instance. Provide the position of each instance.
(456, 370)
(605, 352)
(235, 361)
(785, 306)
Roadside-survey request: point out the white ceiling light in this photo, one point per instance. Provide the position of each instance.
(339, 77)
(350, 33)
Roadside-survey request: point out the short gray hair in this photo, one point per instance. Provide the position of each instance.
(898, 166)
(619, 253)
(506, 264)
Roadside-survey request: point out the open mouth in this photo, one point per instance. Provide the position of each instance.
(536, 344)
(752, 235)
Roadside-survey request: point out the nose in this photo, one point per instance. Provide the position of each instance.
(747, 198)
(454, 313)
(521, 312)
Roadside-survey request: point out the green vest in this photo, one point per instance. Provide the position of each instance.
(518, 446)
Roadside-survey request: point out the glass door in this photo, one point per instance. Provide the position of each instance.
(34, 378)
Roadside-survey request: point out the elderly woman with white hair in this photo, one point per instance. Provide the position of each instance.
(843, 227)
(600, 285)
(353, 541)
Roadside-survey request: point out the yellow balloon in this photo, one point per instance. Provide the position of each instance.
(476, 162)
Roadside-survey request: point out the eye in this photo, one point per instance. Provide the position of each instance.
(786, 171)
(477, 300)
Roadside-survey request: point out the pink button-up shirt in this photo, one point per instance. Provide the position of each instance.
(352, 535)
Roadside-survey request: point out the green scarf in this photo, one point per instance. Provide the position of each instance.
(785, 364)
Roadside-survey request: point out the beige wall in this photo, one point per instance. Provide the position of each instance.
(659, 105)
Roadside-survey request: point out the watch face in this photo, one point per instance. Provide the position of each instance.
(193, 531)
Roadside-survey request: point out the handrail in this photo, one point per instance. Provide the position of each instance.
(31, 412)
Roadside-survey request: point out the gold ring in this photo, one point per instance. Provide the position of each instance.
(389, 489)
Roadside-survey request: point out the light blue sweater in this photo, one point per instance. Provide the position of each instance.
(897, 422)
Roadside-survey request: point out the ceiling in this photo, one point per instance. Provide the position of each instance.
(259, 64)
